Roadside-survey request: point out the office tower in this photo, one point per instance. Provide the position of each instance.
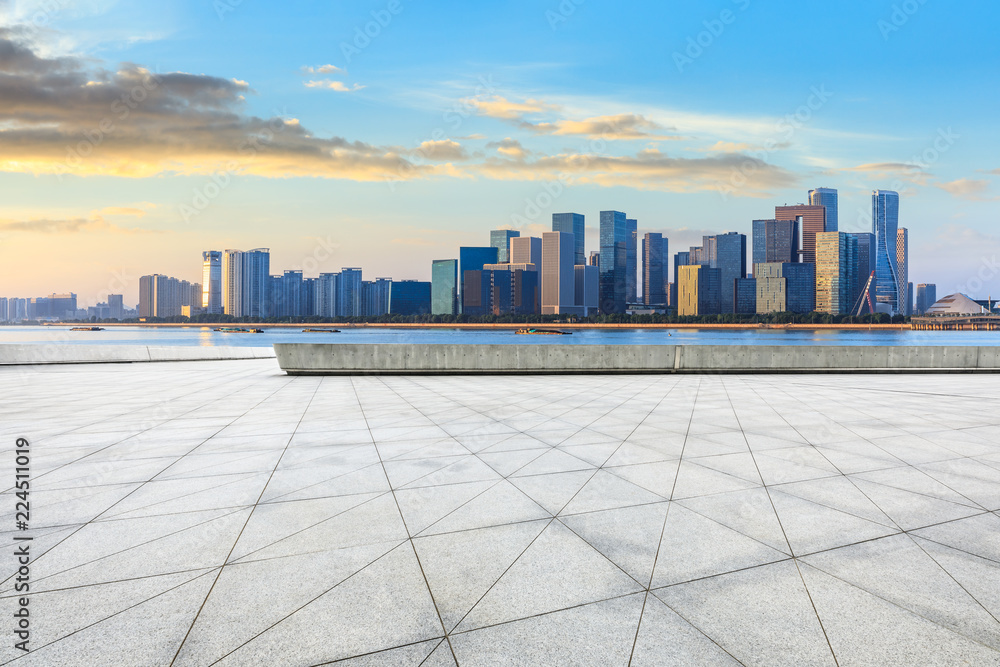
(572, 223)
(4, 317)
(728, 253)
(308, 303)
(245, 282)
(409, 297)
(632, 261)
(476, 293)
(698, 290)
(375, 297)
(17, 309)
(286, 295)
(473, 259)
(746, 296)
(654, 253)
(836, 272)
(812, 222)
(349, 295)
(613, 261)
(865, 263)
(902, 265)
(325, 295)
(444, 287)
(885, 224)
(526, 250)
(594, 259)
(586, 291)
(775, 241)
(926, 297)
(232, 282)
(116, 306)
(162, 296)
(524, 286)
(680, 259)
(211, 282)
(500, 239)
(513, 288)
(558, 282)
(827, 197)
(789, 287)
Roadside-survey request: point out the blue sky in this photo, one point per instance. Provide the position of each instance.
(457, 118)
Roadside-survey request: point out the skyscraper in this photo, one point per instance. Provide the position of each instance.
(926, 297)
(444, 287)
(325, 295)
(787, 287)
(409, 297)
(729, 255)
(500, 239)
(116, 306)
(836, 266)
(575, 224)
(349, 297)
(865, 265)
(680, 259)
(885, 224)
(654, 252)
(813, 221)
(698, 290)
(902, 265)
(775, 241)
(613, 261)
(558, 282)
(587, 297)
(245, 282)
(232, 283)
(527, 250)
(211, 282)
(632, 261)
(827, 197)
(473, 259)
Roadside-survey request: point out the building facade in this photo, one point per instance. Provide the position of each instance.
(812, 221)
(885, 222)
(409, 297)
(775, 241)
(698, 291)
(444, 287)
(500, 239)
(836, 272)
(613, 260)
(558, 280)
(471, 258)
(575, 224)
(827, 197)
(902, 265)
(211, 282)
(654, 271)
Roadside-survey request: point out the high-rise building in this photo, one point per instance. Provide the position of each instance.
(521, 285)
(473, 259)
(211, 282)
(865, 265)
(775, 241)
(698, 290)
(116, 306)
(163, 296)
(444, 287)
(325, 295)
(812, 221)
(746, 296)
(654, 270)
(526, 250)
(613, 261)
(885, 223)
(680, 259)
(500, 239)
(827, 197)
(246, 282)
(632, 261)
(375, 297)
(409, 297)
(789, 287)
(558, 281)
(586, 292)
(349, 296)
(836, 266)
(575, 224)
(729, 255)
(902, 265)
(926, 297)
(594, 259)
(477, 293)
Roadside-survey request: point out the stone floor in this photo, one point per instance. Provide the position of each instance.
(223, 513)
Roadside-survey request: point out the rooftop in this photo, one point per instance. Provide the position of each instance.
(224, 513)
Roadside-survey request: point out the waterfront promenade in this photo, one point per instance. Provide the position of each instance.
(223, 512)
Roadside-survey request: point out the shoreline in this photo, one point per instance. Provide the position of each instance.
(497, 326)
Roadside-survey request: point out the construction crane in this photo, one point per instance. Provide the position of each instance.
(866, 296)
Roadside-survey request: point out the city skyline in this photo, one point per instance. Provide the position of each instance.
(422, 151)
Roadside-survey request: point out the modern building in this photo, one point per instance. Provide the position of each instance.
(514, 288)
(349, 296)
(654, 269)
(836, 267)
(500, 239)
(163, 296)
(477, 293)
(902, 265)
(116, 306)
(698, 290)
(245, 282)
(775, 241)
(211, 282)
(325, 295)
(471, 258)
(827, 197)
(526, 250)
(594, 259)
(575, 224)
(926, 297)
(746, 296)
(409, 297)
(613, 261)
(786, 288)
(558, 281)
(444, 287)
(812, 221)
(375, 296)
(866, 263)
(632, 261)
(885, 223)
(587, 296)
(52, 307)
(680, 259)
(729, 255)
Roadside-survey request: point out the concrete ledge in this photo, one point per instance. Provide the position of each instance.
(22, 355)
(422, 359)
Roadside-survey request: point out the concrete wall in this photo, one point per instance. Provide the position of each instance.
(373, 359)
(17, 355)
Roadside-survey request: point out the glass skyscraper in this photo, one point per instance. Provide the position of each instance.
(632, 261)
(775, 241)
(349, 293)
(827, 197)
(409, 297)
(444, 287)
(729, 255)
(885, 226)
(613, 261)
(654, 270)
(211, 282)
(473, 259)
(572, 223)
(500, 239)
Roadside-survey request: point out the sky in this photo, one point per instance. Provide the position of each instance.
(385, 134)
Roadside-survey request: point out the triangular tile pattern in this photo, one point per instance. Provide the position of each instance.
(252, 518)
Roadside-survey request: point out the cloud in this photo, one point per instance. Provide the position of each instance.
(67, 115)
(619, 127)
(967, 188)
(742, 147)
(441, 150)
(339, 86)
(95, 222)
(322, 69)
(123, 211)
(504, 109)
(509, 147)
(894, 170)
